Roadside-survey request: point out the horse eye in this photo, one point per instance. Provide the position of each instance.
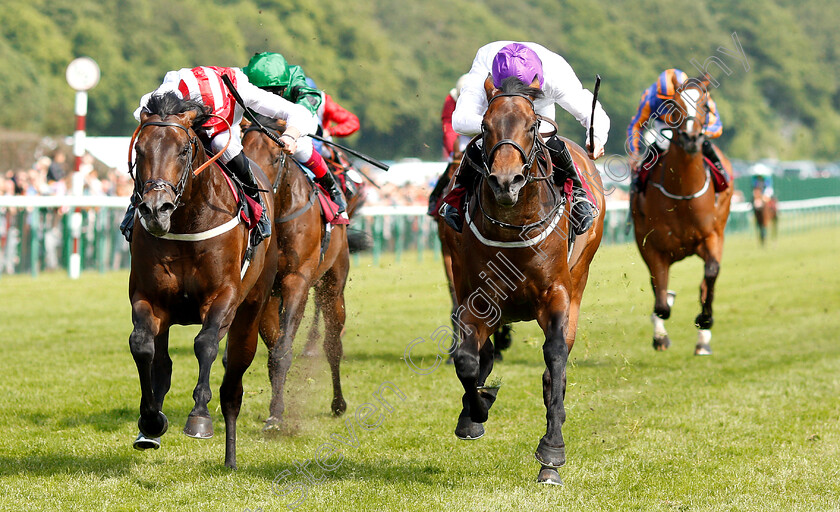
(185, 150)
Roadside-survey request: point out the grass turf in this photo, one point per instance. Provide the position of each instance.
(754, 427)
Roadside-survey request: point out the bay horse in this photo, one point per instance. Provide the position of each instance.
(300, 266)
(502, 335)
(678, 214)
(188, 266)
(766, 212)
(512, 262)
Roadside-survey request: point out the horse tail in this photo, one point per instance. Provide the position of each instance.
(358, 240)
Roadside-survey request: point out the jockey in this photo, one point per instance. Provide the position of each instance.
(640, 132)
(534, 65)
(205, 85)
(450, 139)
(271, 72)
(333, 120)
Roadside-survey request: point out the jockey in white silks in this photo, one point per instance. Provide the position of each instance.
(541, 68)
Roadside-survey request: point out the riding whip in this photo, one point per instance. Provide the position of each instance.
(277, 140)
(592, 117)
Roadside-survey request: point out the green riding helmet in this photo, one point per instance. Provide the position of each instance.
(270, 71)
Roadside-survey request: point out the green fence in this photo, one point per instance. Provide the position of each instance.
(794, 189)
(38, 237)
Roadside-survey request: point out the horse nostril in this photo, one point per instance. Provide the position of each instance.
(519, 179)
(145, 211)
(166, 208)
(493, 180)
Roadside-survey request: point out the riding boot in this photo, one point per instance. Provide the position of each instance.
(328, 182)
(583, 211)
(240, 166)
(465, 178)
(127, 224)
(710, 153)
(441, 184)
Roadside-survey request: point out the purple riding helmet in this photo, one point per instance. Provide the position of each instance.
(517, 60)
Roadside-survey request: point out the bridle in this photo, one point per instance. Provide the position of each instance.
(537, 147)
(192, 153)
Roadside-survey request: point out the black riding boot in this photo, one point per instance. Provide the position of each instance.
(465, 178)
(441, 184)
(583, 211)
(240, 166)
(127, 224)
(328, 182)
(710, 153)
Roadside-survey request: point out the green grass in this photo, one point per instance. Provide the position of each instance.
(754, 427)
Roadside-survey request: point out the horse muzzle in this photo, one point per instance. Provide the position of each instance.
(506, 187)
(156, 212)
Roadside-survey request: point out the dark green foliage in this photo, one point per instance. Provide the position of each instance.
(393, 62)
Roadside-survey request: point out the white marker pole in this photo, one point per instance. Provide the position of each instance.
(82, 75)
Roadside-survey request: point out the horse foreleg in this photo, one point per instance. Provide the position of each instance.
(242, 345)
(473, 363)
(206, 347)
(659, 269)
(711, 255)
(162, 367)
(147, 326)
(295, 290)
(551, 451)
(331, 296)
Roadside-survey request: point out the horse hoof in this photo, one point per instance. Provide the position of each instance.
(274, 425)
(144, 443)
(467, 430)
(199, 427)
(702, 350)
(309, 353)
(339, 406)
(549, 475)
(661, 344)
(155, 428)
(704, 343)
(551, 456)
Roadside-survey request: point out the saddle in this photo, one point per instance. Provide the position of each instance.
(720, 178)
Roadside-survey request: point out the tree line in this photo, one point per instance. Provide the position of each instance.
(393, 62)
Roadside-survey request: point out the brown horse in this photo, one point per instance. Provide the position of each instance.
(502, 335)
(512, 262)
(183, 273)
(679, 215)
(299, 232)
(766, 213)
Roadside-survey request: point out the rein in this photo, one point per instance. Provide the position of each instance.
(178, 190)
(661, 184)
(530, 158)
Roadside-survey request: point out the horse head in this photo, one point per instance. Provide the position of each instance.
(166, 151)
(686, 114)
(510, 134)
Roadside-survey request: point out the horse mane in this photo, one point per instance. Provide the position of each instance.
(513, 85)
(270, 122)
(168, 103)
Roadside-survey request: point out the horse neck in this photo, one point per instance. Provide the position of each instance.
(534, 204)
(204, 201)
(682, 173)
(292, 190)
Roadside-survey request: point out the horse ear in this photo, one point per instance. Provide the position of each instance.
(674, 82)
(489, 88)
(144, 116)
